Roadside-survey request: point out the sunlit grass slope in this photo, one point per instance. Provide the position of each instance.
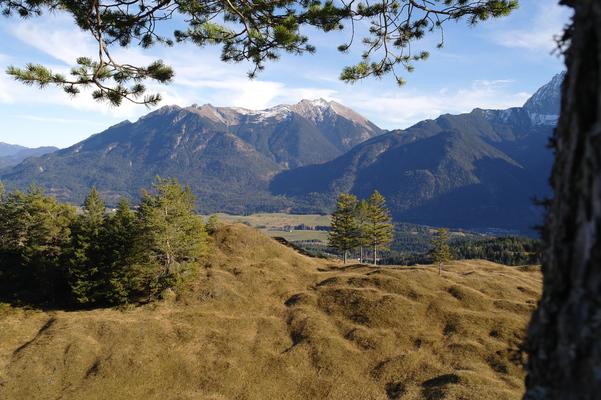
(263, 322)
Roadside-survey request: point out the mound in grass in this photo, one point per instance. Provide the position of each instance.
(264, 322)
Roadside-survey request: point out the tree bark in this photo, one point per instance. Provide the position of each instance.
(564, 337)
(375, 255)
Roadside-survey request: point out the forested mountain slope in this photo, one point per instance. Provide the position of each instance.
(227, 155)
(477, 170)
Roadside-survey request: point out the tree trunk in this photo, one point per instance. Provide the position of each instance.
(375, 255)
(361, 255)
(564, 337)
(344, 256)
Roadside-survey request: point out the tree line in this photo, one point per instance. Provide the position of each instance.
(360, 224)
(508, 250)
(53, 253)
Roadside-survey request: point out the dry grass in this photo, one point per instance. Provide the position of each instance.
(264, 322)
(295, 236)
(278, 220)
(272, 224)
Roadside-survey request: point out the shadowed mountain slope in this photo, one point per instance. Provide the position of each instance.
(478, 170)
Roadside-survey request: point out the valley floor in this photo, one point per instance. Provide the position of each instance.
(264, 322)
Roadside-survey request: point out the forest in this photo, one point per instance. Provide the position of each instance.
(55, 254)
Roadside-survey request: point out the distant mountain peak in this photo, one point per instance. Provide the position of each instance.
(227, 154)
(474, 170)
(12, 154)
(316, 111)
(543, 107)
(7, 149)
(321, 102)
(223, 115)
(319, 109)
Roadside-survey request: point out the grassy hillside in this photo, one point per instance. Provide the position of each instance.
(411, 243)
(277, 220)
(283, 225)
(264, 322)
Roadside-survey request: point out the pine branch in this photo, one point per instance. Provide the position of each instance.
(257, 31)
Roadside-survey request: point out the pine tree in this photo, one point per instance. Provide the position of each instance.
(253, 31)
(344, 233)
(212, 224)
(94, 209)
(123, 254)
(441, 252)
(174, 235)
(362, 217)
(379, 228)
(87, 252)
(34, 233)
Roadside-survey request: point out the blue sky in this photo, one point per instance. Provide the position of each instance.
(497, 64)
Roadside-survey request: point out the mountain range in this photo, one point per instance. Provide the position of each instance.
(12, 154)
(478, 170)
(227, 155)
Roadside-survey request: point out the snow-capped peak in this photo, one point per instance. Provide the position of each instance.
(281, 111)
(543, 106)
(322, 103)
(316, 110)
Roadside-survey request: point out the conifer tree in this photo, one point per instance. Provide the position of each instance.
(345, 232)
(123, 255)
(441, 252)
(362, 216)
(212, 224)
(174, 235)
(34, 232)
(379, 228)
(87, 252)
(94, 209)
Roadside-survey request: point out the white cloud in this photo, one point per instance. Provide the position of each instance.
(49, 36)
(199, 73)
(393, 108)
(492, 83)
(402, 108)
(55, 120)
(253, 94)
(256, 94)
(6, 95)
(537, 32)
(294, 95)
(12, 92)
(202, 77)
